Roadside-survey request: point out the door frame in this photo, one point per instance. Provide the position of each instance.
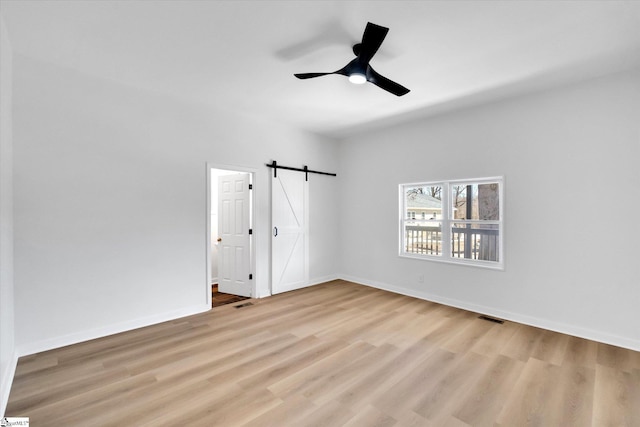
(252, 212)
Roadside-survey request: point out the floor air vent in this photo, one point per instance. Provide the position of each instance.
(491, 319)
(246, 304)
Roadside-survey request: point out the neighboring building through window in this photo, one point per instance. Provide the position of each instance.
(459, 221)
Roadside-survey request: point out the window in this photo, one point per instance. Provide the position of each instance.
(460, 221)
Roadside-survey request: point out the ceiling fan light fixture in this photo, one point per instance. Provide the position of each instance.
(357, 78)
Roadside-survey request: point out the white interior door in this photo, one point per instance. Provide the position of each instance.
(290, 231)
(234, 259)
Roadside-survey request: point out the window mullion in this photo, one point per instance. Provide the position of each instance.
(446, 221)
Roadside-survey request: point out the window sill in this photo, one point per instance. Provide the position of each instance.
(489, 265)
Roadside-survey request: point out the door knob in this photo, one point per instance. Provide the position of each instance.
(219, 239)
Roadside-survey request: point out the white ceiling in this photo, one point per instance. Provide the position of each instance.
(241, 55)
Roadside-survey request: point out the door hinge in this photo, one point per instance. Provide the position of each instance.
(250, 231)
(250, 186)
(251, 277)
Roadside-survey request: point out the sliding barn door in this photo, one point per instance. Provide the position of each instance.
(234, 259)
(290, 231)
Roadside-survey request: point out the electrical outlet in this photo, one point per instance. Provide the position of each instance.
(420, 278)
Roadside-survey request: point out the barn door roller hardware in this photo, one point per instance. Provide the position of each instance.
(306, 170)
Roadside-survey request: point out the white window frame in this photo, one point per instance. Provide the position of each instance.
(447, 222)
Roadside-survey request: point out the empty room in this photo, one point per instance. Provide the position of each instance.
(319, 213)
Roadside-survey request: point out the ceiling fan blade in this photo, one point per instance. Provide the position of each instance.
(371, 40)
(344, 71)
(310, 75)
(386, 84)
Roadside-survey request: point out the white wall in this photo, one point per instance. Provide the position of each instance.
(570, 160)
(7, 344)
(110, 205)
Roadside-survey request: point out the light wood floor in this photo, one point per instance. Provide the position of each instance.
(331, 355)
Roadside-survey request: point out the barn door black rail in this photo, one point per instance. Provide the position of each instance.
(306, 170)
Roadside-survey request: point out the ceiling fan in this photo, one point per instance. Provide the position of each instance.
(358, 70)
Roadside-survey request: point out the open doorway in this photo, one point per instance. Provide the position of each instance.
(230, 244)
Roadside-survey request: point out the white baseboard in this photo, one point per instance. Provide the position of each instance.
(305, 284)
(263, 294)
(323, 279)
(5, 384)
(514, 317)
(62, 341)
(50, 344)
